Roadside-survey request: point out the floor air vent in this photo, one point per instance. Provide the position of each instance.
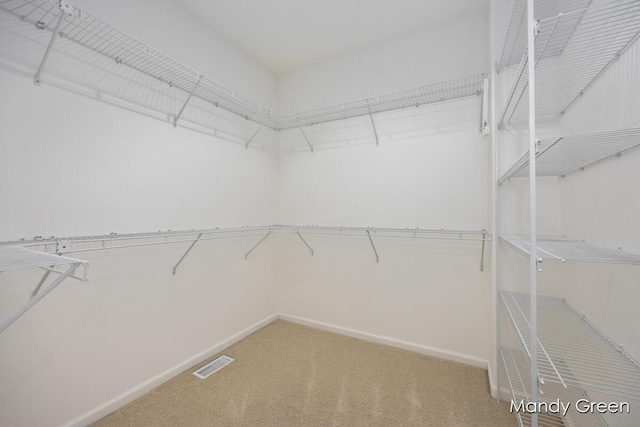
(213, 367)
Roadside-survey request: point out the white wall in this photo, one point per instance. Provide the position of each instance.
(73, 166)
(453, 50)
(432, 174)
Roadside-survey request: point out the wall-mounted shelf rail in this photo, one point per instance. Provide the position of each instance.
(560, 156)
(115, 241)
(563, 249)
(516, 369)
(18, 258)
(574, 47)
(135, 72)
(572, 352)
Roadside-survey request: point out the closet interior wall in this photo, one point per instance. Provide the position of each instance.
(87, 165)
(72, 166)
(431, 169)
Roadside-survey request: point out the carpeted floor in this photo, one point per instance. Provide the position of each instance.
(290, 375)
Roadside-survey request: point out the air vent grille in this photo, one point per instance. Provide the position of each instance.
(213, 367)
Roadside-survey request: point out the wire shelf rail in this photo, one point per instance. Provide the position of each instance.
(564, 249)
(171, 88)
(573, 48)
(572, 351)
(560, 156)
(17, 258)
(518, 377)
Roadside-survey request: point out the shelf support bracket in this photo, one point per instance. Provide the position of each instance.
(373, 246)
(484, 239)
(246, 146)
(33, 301)
(375, 131)
(38, 75)
(306, 139)
(44, 277)
(175, 267)
(195, 86)
(484, 111)
(257, 244)
(305, 242)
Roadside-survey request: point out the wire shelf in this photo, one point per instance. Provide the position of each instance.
(119, 65)
(518, 374)
(572, 352)
(560, 156)
(563, 249)
(572, 49)
(115, 240)
(18, 257)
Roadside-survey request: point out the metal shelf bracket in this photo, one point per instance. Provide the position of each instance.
(373, 246)
(484, 235)
(195, 86)
(54, 35)
(305, 242)
(306, 139)
(375, 131)
(175, 267)
(246, 146)
(33, 301)
(257, 244)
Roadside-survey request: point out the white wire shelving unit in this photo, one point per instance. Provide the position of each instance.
(560, 156)
(119, 241)
(572, 351)
(554, 52)
(576, 42)
(82, 49)
(516, 370)
(14, 257)
(49, 253)
(563, 249)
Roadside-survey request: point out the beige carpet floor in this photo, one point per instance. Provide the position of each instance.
(290, 375)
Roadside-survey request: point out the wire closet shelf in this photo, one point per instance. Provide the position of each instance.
(571, 350)
(114, 240)
(564, 249)
(560, 156)
(576, 42)
(518, 375)
(184, 89)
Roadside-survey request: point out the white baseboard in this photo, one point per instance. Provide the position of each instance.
(132, 394)
(392, 342)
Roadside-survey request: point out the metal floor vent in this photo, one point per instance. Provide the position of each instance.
(213, 367)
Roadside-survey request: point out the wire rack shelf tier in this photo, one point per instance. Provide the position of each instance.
(572, 351)
(169, 87)
(19, 257)
(115, 240)
(576, 43)
(560, 156)
(564, 249)
(518, 375)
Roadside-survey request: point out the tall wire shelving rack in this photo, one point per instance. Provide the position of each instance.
(553, 53)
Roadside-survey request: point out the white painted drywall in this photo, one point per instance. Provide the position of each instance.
(436, 175)
(73, 166)
(441, 53)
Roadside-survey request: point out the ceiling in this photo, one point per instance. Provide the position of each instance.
(288, 34)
